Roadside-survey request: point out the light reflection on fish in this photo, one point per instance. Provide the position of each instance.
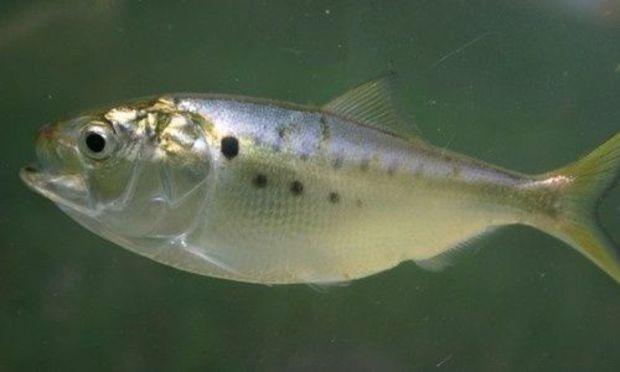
(269, 192)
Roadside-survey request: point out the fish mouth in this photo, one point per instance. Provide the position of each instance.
(66, 190)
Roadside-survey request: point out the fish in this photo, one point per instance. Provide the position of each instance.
(262, 191)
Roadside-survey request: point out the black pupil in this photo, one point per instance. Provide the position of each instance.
(95, 142)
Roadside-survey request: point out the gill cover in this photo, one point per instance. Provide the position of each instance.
(154, 185)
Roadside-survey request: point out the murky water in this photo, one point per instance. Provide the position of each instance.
(529, 85)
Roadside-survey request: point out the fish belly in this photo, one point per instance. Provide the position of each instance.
(339, 227)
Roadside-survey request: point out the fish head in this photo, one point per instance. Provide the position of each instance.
(130, 172)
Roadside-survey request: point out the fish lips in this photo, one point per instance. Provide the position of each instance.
(67, 190)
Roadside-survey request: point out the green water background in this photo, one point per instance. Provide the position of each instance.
(529, 85)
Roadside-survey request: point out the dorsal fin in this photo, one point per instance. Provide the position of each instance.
(372, 103)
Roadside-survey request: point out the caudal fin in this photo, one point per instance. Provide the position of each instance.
(587, 181)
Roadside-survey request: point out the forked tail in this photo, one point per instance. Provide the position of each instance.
(583, 184)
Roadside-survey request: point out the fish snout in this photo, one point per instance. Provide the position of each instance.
(45, 133)
(49, 147)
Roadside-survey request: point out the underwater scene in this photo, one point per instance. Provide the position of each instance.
(310, 185)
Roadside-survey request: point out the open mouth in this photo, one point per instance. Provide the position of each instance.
(32, 177)
(67, 190)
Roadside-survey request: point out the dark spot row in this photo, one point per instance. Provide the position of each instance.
(296, 187)
(230, 149)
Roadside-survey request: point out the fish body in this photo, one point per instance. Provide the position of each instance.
(275, 193)
(313, 197)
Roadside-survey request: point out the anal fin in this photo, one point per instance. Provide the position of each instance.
(447, 258)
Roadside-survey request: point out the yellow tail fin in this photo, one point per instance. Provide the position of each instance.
(588, 181)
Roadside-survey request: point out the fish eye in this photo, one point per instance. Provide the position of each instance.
(97, 141)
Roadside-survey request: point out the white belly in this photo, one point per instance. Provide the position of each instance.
(271, 236)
